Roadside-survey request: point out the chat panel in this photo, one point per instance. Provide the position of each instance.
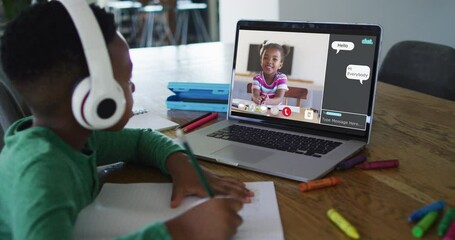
(348, 80)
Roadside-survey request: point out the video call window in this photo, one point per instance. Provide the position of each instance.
(328, 78)
(254, 60)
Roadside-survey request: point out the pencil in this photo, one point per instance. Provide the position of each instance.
(195, 120)
(205, 183)
(199, 122)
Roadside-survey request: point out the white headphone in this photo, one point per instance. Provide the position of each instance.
(98, 101)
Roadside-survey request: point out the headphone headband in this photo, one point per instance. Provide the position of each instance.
(92, 39)
(98, 101)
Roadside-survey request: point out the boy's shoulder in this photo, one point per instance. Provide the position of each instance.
(26, 147)
(36, 157)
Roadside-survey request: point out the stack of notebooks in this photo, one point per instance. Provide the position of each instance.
(210, 97)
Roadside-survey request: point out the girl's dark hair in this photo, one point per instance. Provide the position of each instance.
(284, 49)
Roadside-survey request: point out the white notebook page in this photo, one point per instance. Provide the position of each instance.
(122, 208)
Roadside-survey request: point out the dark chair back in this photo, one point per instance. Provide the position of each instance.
(421, 66)
(11, 108)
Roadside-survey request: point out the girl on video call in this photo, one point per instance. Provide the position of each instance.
(269, 85)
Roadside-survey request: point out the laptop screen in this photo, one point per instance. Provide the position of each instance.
(310, 75)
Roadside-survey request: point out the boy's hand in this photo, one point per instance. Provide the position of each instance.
(186, 182)
(215, 219)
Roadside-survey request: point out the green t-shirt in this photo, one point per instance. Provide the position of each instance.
(44, 183)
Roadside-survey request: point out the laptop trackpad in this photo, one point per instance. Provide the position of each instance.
(241, 154)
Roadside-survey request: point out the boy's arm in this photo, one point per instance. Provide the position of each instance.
(134, 145)
(148, 146)
(155, 231)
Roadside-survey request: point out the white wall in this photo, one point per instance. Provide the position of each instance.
(422, 20)
(233, 10)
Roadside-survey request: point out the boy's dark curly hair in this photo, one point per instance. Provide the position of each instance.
(42, 41)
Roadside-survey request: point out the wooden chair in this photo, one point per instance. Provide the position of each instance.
(293, 92)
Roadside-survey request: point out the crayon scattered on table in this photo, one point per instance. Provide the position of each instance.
(450, 234)
(421, 212)
(342, 223)
(321, 183)
(350, 163)
(448, 218)
(379, 164)
(424, 224)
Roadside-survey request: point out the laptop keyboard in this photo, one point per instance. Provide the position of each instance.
(276, 140)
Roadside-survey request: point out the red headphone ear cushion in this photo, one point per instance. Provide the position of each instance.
(78, 100)
(84, 101)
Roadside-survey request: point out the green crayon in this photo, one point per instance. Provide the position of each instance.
(446, 221)
(423, 225)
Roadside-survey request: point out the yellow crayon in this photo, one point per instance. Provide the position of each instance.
(342, 223)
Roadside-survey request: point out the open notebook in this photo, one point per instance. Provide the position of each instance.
(115, 212)
(143, 118)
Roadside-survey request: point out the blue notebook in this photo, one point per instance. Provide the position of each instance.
(212, 97)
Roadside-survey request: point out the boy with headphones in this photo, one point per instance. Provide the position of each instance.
(78, 88)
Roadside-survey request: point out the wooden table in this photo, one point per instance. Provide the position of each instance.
(417, 129)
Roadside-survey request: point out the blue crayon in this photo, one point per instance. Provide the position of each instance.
(420, 213)
(350, 163)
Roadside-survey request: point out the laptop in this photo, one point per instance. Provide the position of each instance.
(325, 115)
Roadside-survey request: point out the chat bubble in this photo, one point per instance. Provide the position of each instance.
(358, 72)
(344, 46)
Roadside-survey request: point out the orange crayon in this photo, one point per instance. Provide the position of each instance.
(321, 183)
